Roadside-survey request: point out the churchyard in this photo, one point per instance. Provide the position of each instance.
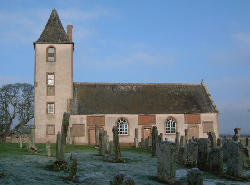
(152, 160)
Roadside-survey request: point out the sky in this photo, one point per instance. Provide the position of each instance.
(144, 41)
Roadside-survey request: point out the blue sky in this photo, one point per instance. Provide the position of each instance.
(142, 41)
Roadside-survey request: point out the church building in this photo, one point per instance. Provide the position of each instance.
(172, 107)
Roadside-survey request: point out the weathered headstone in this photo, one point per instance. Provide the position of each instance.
(177, 138)
(122, 179)
(105, 142)
(20, 138)
(73, 168)
(160, 138)
(166, 170)
(182, 141)
(116, 144)
(64, 128)
(186, 136)
(216, 161)
(235, 161)
(191, 154)
(111, 149)
(96, 135)
(247, 142)
(194, 177)
(203, 153)
(212, 138)
(236, 136)
(136, 141)
(219, 142)
(149, 146)
(101, 143)
(59, 148)
(32, 131)
(48, 148)
(154, 140)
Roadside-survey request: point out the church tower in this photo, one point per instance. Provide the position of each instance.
(53, 78)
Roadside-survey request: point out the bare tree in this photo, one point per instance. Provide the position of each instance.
(16, 103)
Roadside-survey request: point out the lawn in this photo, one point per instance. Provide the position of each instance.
(22, 167)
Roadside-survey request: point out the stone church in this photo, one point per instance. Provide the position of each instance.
(172, 107)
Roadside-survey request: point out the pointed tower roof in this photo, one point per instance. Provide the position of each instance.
(53, 31)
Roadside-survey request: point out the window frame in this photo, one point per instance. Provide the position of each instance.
(47, 129)
(50, 86)
(47, 54)
(119, 128)
(54, 108)
(170, 127)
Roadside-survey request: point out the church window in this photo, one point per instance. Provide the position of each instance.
(122, 126)
(170, 126)
(50, 129)
(51, 54)
(51, 108)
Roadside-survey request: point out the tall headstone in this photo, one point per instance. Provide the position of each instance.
(48, 148)
(149, 146)
(212, 138)
(203, 153)
(226, 148)
(136, 141)
(101, 143)
(235, 161)
(219, 142)
(20, 138)
(59, 148)
(32, 131)
(216, 161)
(191, 154)
(194, 177)
(116, 144)
(177, 138)
(96, 135)
(166, 167)
(154, 140)
(247, 142)
(182, 141)
(186, 136)
(64, 128)
(160, 138)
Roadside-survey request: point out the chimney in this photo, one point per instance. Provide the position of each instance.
(69, 32)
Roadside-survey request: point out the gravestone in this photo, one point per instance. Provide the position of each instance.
(111, 149)
(181, 155)
(212, 138)
(149, 146)
(191, 154)
(101, 143)
(122, 179)
(194, 177)
(96, 135)
(186, 136)
(203, 154)
(142, 145)
(182, 141)
(177, 138)
(219, 143)
(48, 148)
(64, 128)
(216, 161)
(235, 161)
(105, 142)
(247, 142)
(166, 167)
(20, 139)
(225, 148)
(160, 138)
(73, 168)
(116, 144)
(154, 140)
(32, 131)
(136, 141)
(236, 136)
(59, 148)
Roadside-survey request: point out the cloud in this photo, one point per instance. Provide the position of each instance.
(242, 38)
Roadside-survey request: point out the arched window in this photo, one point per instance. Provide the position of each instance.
(122, 126)
(51, 54)
(170, 125)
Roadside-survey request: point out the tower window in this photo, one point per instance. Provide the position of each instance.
(51, 108)
(51, 54)
(51, 79)
(122, 126)
(170, 126)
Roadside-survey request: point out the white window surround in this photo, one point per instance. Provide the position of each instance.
(51, 108)
(170, 126)
(122, 126)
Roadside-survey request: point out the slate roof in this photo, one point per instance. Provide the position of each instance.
(132, 98)
(54, 31)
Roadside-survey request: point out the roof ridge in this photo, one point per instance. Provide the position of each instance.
(119, 83)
